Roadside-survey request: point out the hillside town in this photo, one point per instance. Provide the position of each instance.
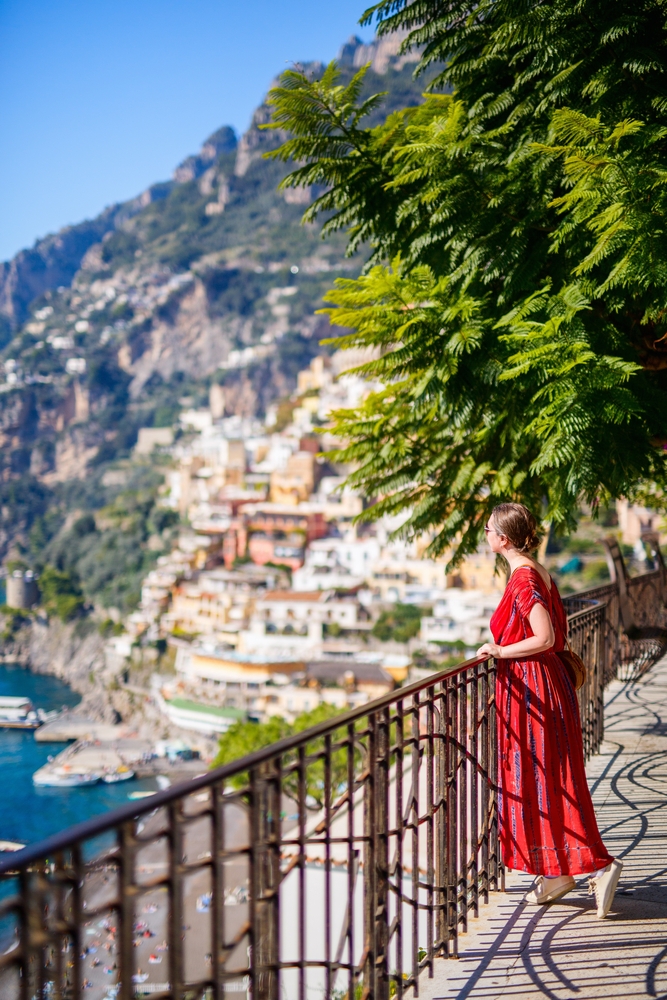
(255, 592)
(272, 600)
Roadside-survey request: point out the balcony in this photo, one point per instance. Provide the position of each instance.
(358, 859)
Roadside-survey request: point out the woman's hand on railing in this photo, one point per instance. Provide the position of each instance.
(541, 639)
(489, 649)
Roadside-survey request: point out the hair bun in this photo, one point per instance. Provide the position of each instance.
(518, 525)
(531, 543)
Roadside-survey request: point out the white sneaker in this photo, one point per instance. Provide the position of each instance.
(547, 890)
(603, 886)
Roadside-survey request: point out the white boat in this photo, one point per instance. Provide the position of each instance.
(18, 713)
(10, 845)
(63, 777)
(121, 774)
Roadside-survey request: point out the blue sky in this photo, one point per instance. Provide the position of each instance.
(100, 98)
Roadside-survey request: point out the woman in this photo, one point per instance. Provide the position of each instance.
(546, 818)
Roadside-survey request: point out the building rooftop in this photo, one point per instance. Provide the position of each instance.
(335, 670)
(193, 706)
(295, 595)
(260, 658)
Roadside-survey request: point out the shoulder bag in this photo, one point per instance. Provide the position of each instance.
(574, 665)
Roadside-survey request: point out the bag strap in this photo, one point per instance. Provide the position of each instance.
(552, 614)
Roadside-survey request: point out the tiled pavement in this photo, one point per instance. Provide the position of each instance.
(514, 951)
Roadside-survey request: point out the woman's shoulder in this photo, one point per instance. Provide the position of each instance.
(525, 576)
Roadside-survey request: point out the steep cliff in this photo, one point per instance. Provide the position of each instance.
(209, 276)
(52, 261)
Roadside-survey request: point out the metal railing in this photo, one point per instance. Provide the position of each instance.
(339, 862)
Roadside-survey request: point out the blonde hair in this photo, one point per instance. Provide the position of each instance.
(517, 524)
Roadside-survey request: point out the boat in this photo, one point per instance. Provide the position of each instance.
(140, 795)
(64, 777)
(18, 713)
(121, 773)
(10, 845)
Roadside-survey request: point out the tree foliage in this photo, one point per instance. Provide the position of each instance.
(514, 295)
(244, 738)
(400, 623)
(61, 593)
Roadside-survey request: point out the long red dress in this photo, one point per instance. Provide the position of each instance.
(547, 823)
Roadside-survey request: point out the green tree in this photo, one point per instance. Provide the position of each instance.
(246, 737)
(514, 293)
(400, 623)
(61, 593)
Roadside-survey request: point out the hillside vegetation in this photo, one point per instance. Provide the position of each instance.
(109, 325)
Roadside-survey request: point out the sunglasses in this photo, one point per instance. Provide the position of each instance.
(487, 529)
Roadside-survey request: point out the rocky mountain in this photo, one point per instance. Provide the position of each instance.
(52, 261)
(209, 276)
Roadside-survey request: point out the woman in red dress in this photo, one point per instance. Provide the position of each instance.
(547, 823)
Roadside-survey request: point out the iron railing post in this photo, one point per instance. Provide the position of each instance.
(376, 860)
(440, 823)
(265, 878)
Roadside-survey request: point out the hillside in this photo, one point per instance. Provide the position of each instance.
(209, 276)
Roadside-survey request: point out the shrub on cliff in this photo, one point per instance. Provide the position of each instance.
(11, 620)
(106, 550)
(61, 593)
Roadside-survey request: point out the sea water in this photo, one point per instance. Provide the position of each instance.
(29, 813)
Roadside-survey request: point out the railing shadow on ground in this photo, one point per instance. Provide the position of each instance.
(564, 950)
(340, 862)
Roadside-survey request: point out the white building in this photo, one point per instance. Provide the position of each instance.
(335, 501)
(462, 616)
(156, 589)
(295, 642)
(198, 717)
(218, 602)
(158, 584)
(337, 563)
(153, 437)
(198, 420)
(282, 608)
(206, 670)
(294, 621)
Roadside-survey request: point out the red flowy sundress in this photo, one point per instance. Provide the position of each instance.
(547, 824)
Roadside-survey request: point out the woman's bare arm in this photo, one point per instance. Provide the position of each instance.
(541, 639)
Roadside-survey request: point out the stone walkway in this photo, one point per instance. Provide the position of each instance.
(563, 951)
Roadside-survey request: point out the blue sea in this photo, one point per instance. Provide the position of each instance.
(28, 814)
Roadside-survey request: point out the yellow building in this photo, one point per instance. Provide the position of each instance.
(296, 482)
